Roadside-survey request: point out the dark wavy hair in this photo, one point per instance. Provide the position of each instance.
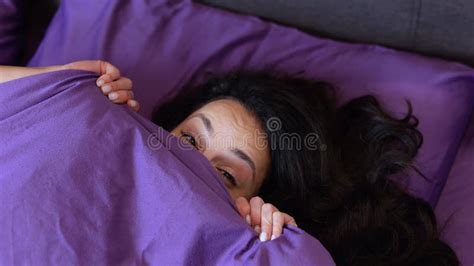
(338, 190)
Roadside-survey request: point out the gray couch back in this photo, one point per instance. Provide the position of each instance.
(432, 27)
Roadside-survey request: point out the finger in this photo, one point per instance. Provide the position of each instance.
(281, 219)
(109, 69)
(107, 72)
(120, 84)
(121, 96)
(289, 220)
(278, 223)
(104, 79)
(266, 221)
(256, 204)
(243, 206)
(136, 107)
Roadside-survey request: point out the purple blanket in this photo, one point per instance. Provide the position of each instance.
(87, 182)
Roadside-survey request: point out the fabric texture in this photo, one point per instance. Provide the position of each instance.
(11, 12)
(438, 28)
(86, 182)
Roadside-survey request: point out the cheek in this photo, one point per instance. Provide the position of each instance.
(234, 194)
(246, 191)
(263, 169)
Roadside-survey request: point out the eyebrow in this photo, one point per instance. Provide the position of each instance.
(207, 123)
(238, 152)
(242, 155)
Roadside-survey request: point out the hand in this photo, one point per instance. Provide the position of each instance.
(265, 218)
(118, 89)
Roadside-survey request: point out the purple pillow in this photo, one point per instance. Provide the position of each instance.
(10, 22)
(164, 45)
(455, 209)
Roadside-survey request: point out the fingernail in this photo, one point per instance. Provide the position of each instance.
(263, 236)
(247, 218)
(273, 237)
(106, 89)
(113, 96)
(133, 104)
(100, 82)
(257, 229)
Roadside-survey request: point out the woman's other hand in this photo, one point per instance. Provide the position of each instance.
(118, 89)
(265, 218)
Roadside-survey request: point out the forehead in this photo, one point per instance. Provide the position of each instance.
(231, 116)
(235, 125)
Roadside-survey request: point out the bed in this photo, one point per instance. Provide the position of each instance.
(155, 46)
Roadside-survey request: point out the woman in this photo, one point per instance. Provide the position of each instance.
(333, 182)
(336, 186)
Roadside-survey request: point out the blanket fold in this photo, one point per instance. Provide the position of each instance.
(87, 182)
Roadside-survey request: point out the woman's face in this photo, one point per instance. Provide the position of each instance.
(231, 138)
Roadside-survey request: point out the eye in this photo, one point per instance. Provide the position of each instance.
(189, 138)
(228, 176)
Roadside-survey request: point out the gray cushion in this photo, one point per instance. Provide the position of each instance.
(439, 28)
